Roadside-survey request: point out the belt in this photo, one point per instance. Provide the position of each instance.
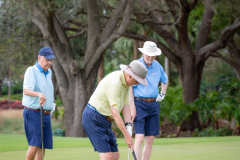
(39, 110)
(145, 99)
(93, 108)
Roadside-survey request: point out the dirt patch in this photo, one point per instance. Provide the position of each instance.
(11, 113)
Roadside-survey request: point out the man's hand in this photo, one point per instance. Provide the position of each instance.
(42, 99)
(133, 113)
(129, 141)
(160, 97)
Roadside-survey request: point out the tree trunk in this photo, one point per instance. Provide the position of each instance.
(0, 88)
(168, 69)
(190, 75)
(9, 84)
(75, 101)
(135, 47)
(238, 74)
(101, 69)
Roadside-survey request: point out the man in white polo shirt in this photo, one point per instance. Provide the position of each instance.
(110, 98)
(37, 91)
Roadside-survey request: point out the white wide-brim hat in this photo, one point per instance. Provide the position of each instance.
(150, 49)
(137, 70)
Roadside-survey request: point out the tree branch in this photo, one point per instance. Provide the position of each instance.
(220, 43)
(112, 38)
(78, 34)
(166, 51)
(152, 10)
(112, 22)
(205, 28)
(192, 4)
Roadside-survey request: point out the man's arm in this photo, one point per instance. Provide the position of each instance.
(132, 104)
(164, 88)
(31, 93)
(121, 126)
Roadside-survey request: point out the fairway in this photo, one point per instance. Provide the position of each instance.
(14, 147)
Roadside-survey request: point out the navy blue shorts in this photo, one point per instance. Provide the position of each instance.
(32, 126)
(99, 131)
(147, 121)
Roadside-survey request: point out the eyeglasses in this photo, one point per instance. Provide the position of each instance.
(150, 57)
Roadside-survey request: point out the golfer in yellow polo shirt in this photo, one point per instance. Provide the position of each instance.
(105, 105)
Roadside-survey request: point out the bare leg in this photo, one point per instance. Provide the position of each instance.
(147, 151)
(31, 153)
(109, 156)
(139, 138)
(39, 154)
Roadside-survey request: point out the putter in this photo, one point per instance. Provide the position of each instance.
(42, 140)
(134, 155)
(128, 153)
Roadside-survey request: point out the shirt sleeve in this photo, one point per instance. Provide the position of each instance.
(163, 76)
(113, 96)
(126, 96)
(29, 79)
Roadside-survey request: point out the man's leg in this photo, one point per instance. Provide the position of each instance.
(39, 154)
(31, 153)
(109, 156)
(147, 151)
(139, 138)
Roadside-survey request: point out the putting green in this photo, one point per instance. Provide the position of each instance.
(14, 147)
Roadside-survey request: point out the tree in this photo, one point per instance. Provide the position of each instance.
(76, 77)
(170, 19)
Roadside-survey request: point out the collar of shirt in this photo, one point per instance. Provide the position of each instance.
(123, 79)
(142, 60)
(40, 68)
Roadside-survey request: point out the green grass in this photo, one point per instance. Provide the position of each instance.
(14, 147)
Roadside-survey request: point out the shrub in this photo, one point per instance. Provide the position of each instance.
(4, 104)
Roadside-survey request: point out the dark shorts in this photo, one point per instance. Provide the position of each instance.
(99, 131)
(32, 126)
(147, 121)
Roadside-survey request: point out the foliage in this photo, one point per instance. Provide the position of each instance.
(172, 107)
(221, 103)
(57, 112)
(4, 104)
(210, 132)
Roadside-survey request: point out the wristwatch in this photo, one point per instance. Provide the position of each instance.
(127, 123)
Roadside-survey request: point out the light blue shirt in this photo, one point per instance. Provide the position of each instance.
(155, 75)
(38, 80)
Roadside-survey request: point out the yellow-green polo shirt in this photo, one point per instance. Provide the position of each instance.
(111, 91)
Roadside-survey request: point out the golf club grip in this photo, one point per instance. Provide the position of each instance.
(134, 155)
(42, 124)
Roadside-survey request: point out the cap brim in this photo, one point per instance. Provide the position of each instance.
(50, 57)
(125, 68)
(159, 52)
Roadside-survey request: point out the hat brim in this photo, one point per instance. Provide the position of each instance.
(50, 57)
(159, 52)
(125, 68)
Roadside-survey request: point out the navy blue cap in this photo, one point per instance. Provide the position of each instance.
(46, 52)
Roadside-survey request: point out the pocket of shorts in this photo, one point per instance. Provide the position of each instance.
(94, 118)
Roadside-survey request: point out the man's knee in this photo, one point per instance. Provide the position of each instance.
(115, 155)
(149, 139)
(139, 138)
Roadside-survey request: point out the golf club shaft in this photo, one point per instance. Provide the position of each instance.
(134, 155)
(42, 140)
(128, 153)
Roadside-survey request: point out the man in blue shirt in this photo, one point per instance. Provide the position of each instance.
(145, 107)
(37, 92)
